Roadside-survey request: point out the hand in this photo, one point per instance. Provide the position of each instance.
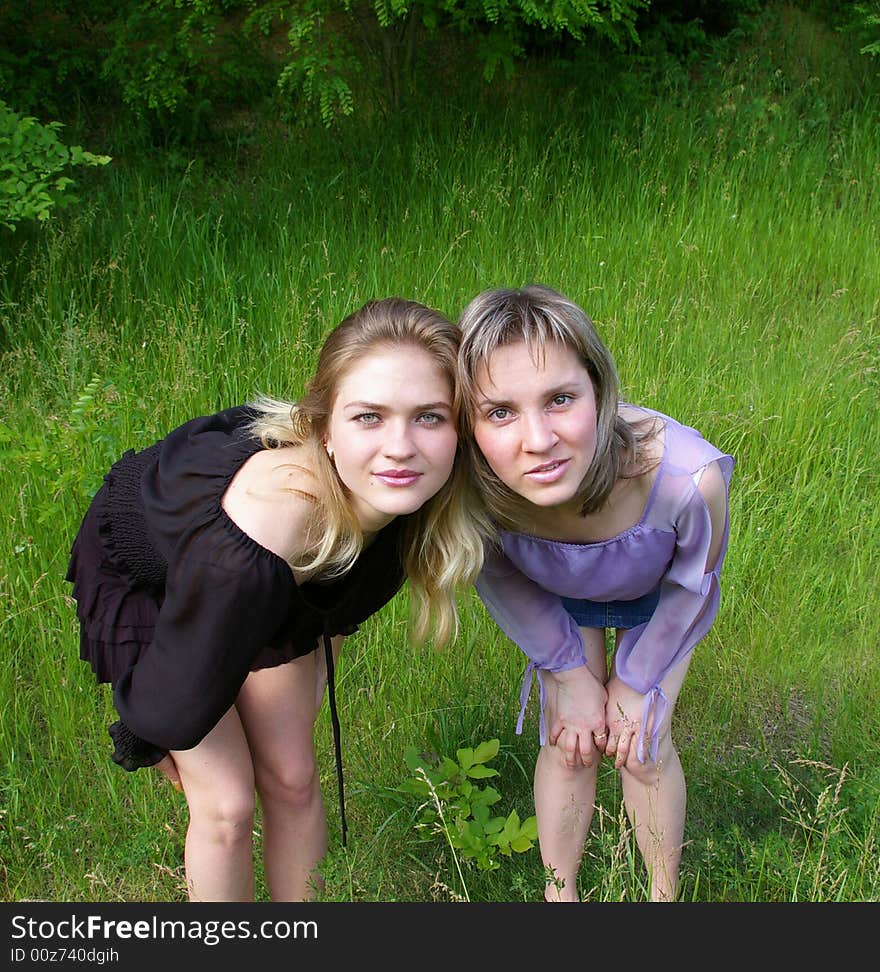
(576, 714)
(167, 767)
(624, 715)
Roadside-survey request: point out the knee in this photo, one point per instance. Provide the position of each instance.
(646, 774)
(555, 758)
(294, 782)
(226, 815)
(650, 771)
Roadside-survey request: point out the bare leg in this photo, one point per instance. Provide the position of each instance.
(656, 809)
(655, 797)
(278, 707)
(565, 798)
(218, 780)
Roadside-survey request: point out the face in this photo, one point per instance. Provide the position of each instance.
(535, 421)
(391, 433)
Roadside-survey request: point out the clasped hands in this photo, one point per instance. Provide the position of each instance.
(587, 718)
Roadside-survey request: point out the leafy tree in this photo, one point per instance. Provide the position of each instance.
(174, 57)
(51, 53)
(330, 41)
(866, 18)
(179, 58)
(175, 61)
(178, 64)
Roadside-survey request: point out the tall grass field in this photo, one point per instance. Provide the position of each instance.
(721, 226)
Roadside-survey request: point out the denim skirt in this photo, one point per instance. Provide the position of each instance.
(612, 614)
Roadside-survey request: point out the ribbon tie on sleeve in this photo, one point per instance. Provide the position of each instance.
(655, 704)
(525, 691)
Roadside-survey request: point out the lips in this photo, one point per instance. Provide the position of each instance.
(548, 472)
(397, 477)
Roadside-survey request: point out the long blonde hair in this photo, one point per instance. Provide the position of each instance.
(538, 315)
(443, 540)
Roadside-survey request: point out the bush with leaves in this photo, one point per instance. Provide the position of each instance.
(866, 23)
(457, 809)
(33, 166)
(175, 61)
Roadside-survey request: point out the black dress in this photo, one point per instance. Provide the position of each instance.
(177, 604)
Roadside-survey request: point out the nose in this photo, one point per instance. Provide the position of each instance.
(537, 432)
(399, 441)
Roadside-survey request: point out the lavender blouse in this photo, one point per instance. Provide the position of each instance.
(521, 584)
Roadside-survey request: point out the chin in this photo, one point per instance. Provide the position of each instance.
(402, 507)
(548, 500)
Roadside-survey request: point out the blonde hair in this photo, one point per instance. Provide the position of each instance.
(443, 540)
(537, 315)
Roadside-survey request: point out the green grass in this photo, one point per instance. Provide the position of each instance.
(722, 231)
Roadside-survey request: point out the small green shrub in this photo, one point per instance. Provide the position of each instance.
(866, 23)
(33, 160)
(57, 452)
(456, 808)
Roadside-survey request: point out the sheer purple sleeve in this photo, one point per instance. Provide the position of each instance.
(688, 605)
(532, 618)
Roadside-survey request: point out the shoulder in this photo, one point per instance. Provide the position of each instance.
(208, 445)
(649, 430)
(274, 499)
(712, 486)
(682, 447)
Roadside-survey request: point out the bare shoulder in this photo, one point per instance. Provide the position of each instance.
(711, 485)
(273, 498)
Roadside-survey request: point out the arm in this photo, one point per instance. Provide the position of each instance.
(537, 622)
(168, 768)
(577, 701)
(688, 605)
(222, 604)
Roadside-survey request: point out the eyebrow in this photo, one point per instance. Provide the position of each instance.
(483, 402)
(378, 407)
(566, 388)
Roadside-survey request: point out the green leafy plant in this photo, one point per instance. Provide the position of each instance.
(178, 65)
(175, 61)
(866, 22)
(457, 808)
(33, 164)
(57, 452)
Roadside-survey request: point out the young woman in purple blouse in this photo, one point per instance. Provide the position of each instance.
(609, 516)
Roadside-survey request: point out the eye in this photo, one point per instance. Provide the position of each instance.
(561, 400)
(431, 418)
(500, 414)
(366, 418)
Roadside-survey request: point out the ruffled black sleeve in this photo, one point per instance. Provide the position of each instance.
(130, 751)
(225, 599)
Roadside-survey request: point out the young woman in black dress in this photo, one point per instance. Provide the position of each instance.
(217, 572)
